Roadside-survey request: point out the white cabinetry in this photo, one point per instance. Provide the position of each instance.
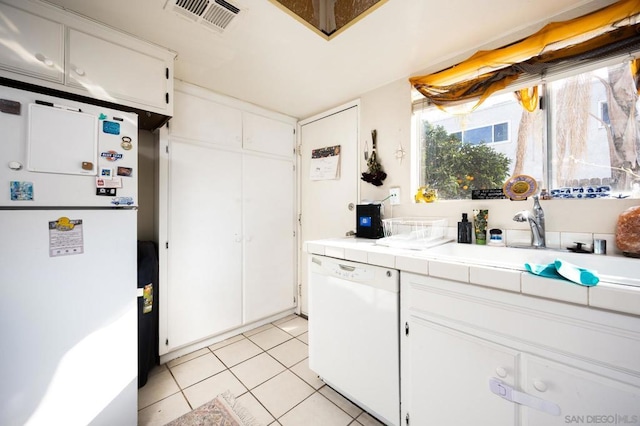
(37, 52)
(230, 218)
(101, 63)
(555, 363)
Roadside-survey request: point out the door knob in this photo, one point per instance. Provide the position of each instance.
(351, 206)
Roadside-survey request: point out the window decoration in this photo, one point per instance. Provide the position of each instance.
(593, 36)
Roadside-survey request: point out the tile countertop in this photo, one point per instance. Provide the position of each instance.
(501, 268)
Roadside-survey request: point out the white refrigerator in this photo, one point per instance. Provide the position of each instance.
(68, 262)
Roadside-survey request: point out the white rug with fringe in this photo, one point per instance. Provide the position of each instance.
(223, 410)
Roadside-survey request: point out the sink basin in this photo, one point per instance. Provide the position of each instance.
(609, 268)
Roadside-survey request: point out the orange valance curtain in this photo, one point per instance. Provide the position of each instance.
(613, 29)
(528, 98)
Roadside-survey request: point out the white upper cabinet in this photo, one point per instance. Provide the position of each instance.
(267, 135)
(204, 120)
(101, 62)
(37, 52)
(131, 75)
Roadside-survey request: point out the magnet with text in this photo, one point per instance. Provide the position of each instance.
(126, 143)
(111, 155)
(115, 182)
(107, 192)
(124, 171)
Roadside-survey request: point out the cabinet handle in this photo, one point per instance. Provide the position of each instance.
(48, 62)
(506, 391)
(501, 372)
(539, 385)
(79, 71)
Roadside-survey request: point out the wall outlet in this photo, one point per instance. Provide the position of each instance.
(394, 194)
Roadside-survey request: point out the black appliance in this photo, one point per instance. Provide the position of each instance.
(369, 221)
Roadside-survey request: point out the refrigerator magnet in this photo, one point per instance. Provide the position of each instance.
(111, 155)
(124, 171)
(65, 237)
(106, 192)
(21, 191)
(111, 127)
(126, 143)
(106, 172)
(115, 182)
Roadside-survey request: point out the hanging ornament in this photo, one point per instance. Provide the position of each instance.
(400, 152)
(374, 174)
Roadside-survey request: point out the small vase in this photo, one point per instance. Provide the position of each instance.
(480, 218)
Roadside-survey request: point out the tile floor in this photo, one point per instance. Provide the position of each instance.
(266, 369)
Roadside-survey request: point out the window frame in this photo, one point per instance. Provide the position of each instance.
(419, 104)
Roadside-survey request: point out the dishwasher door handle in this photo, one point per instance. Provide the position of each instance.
(347, 268)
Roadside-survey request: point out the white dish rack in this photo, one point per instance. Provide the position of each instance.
(414, 232)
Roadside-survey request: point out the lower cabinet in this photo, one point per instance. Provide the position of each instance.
(447, 376)
(473, 355)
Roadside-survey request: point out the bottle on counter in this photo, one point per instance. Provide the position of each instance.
(464, 230)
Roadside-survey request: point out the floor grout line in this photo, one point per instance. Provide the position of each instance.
(250, 391)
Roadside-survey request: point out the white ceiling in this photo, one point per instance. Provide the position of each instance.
(270, 59)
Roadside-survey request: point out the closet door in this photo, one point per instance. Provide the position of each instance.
(269, 240)
(204, 295)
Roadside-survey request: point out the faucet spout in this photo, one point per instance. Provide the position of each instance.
(536, 223)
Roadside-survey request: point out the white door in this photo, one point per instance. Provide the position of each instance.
(445, 375)
(583, 397)
(204, 295)
(63, 316)
(133, 75)
(328, 206)
(36, 51)
(269, 239)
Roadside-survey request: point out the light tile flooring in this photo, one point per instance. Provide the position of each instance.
(266, 369)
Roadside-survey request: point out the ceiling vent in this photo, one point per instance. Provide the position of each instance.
(213, 14)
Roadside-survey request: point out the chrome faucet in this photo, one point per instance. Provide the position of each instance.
(536, 222)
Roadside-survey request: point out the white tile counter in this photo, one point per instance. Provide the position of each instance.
(502, 268)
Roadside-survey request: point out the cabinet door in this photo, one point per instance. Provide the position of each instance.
(206, 121)
(110, 71)
(448, 376)
(583, 397)
(267, 135)
(31, 45)
(204, 295)
(269, 240)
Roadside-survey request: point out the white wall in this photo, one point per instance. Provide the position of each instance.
(388, 110)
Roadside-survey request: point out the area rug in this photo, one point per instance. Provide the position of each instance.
(223, 410)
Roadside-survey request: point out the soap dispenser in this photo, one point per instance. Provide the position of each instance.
(465, 229)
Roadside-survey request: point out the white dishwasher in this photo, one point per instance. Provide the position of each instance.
(354, 333)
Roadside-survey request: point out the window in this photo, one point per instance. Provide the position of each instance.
(587, 136)
(486, 134)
